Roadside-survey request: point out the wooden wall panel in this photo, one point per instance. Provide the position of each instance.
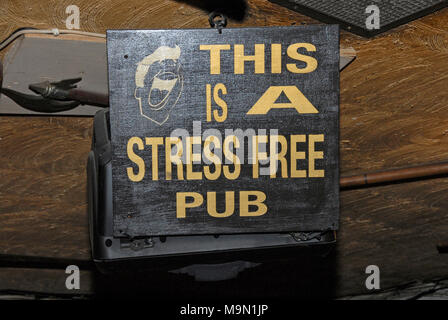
(394, 101)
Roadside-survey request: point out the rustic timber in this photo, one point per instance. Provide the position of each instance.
(393, 114)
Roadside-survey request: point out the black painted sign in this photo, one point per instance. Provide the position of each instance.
(232, 132)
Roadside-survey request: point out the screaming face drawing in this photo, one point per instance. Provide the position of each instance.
(159, 83)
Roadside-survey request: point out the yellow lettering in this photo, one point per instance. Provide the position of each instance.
(182, 205)
(312, 172)
(259, 202)
(136, 159)
(268, 101)
(212, 157)
(295, 155)
(240, 58)
(256, 155)
(311, 62)
(230, 205)
(232, 157)
(208, 101)
(176, 159)
(154, 143)
(220, 87)
(276, 58)
(215, 55)
(192, 157)
(275, 156)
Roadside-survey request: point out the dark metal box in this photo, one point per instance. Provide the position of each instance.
(112, 253)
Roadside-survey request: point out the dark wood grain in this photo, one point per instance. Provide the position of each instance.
(43, 186)
(395, 227)
(393, 114)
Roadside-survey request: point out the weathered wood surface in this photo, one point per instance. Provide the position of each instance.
(290, 203)
(393, 114)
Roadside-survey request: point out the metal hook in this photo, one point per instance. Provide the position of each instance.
(54, 90)
(218, 23)
(33, 102)
(38, 103)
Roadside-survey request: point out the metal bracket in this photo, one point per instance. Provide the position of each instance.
(217, 23)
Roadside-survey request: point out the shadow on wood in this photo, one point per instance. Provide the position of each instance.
(307, 275)
(233, 9)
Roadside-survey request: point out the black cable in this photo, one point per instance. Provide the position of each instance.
(15, 31)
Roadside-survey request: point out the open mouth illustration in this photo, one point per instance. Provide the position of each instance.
(159, 83)
(161, 87)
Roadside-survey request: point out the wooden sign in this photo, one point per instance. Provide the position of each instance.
(220, 133)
